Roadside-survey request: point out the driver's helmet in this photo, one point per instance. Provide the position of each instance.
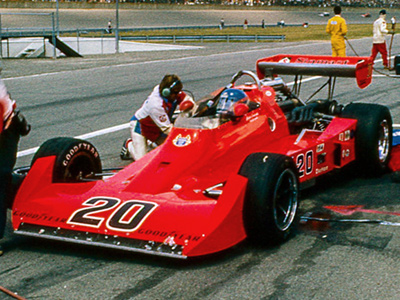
(229, 98)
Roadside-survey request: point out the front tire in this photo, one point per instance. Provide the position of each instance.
(271, 200)
(373, 136)
(75, 158)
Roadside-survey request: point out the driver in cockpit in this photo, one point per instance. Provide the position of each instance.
(234, 103)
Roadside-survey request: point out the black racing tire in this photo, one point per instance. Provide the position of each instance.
(373, 137)
(271, 200)
(74, 157)
(17, 177)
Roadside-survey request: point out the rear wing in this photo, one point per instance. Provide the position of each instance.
(317, 65)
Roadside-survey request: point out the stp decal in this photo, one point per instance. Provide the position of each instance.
(285, 60)
(322, 61)
(126, 216)
(182, 141)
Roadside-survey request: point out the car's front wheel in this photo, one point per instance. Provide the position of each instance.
(75, 158)
(271, 200)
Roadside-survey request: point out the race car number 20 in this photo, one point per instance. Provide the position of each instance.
(126, 216)
(305, 163)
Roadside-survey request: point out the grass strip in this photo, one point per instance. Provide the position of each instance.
(292, 33)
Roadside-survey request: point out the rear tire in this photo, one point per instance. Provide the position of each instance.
(271, 201)
(74, 158)
(373, 136)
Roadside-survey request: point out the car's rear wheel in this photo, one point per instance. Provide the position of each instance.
(75, 158)
(271, 201)
(373, 136)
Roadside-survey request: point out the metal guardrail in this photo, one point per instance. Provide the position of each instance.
(203, 38)
(171, 38)
(25, 33)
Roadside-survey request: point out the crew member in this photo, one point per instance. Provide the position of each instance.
(153, 121)
(12, 126)
(337, 28)
(378, 39)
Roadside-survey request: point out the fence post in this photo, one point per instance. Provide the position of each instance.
(77, 40)
(102, 42)
(54, 37)
(1, 41)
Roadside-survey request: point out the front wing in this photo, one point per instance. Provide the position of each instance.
(163, 224)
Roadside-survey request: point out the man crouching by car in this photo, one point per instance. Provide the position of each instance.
(12, 126)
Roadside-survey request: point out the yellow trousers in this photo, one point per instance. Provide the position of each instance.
(338, 47)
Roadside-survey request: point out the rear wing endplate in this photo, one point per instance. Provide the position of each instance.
(317, 65)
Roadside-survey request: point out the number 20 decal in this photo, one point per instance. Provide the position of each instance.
(125, 217)
(305, 165)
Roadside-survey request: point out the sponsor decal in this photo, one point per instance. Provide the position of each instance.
(345, 136)
(285, 60)
(345, 153)
(321, 170)
(168, 235)
(38, 216)
(71, 153)
(182, 141)
(320, 148)
(252, 117)
(324, 61)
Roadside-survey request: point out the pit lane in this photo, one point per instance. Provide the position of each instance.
(72, 97)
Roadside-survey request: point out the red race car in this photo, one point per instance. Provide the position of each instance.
(222, 174)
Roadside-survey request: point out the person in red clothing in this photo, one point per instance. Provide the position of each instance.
(153, 120)
(12, 126)
(379, 38)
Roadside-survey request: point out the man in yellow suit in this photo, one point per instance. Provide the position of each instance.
(337, 28)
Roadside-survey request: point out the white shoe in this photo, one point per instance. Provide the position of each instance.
(125, 155)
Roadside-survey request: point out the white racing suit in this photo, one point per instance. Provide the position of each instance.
(152, 123)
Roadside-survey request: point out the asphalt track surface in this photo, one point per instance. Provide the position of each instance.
(73, 97)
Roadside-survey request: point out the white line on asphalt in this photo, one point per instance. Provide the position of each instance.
(84, 136)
